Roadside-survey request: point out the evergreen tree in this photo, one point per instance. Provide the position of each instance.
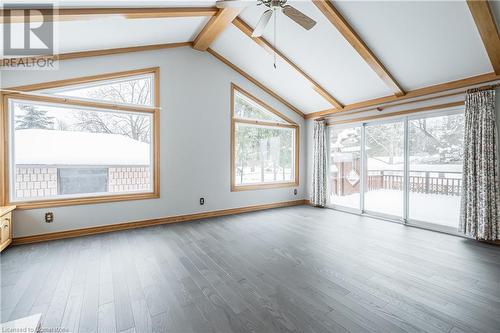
(34, 118)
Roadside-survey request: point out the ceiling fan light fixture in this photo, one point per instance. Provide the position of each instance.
(262, 24)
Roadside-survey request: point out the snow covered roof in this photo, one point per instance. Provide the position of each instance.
(378, 164)
(53, 147)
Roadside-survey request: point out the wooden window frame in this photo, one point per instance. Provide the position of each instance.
(290, 124)
(23, 93)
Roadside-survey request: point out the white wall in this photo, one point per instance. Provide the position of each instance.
(194, 140)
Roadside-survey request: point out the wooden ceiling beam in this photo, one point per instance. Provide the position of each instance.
(214, 27)
(247, 30)
(255, 81)
(77, 14)
(435, 89)
(341, 24)
(485, 23)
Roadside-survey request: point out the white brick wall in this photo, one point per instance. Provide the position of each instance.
(129, 179)
(36, 182)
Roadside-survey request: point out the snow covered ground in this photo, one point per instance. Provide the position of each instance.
(434, 208)
(254, 176)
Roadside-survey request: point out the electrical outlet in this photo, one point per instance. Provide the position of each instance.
(295, 192)
(49, 217)
(202, 201)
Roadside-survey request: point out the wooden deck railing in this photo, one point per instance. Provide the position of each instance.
(447, 183)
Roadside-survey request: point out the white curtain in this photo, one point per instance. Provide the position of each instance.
(480, 195)
(318, 197)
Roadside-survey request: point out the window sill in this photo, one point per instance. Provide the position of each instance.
(237, 188)
(84, 201)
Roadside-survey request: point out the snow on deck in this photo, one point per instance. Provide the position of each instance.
(434, 208)
(53, 147)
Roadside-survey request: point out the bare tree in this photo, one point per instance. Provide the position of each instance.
(135, 126)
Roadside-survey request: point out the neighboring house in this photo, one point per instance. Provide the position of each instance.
(70, 162)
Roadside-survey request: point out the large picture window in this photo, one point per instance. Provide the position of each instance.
(98, 144)
(407, 168)
(264, 145)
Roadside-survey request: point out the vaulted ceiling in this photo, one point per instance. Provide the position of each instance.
(376, 49)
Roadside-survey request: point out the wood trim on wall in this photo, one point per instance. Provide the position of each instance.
(9, 62)
(215, 26)
(4, 167)
(388, 106)
(485, 23)
(80, 102)
(4, 141)
(262, 103)
(395, 114)
(247, 30)
(85, 79)
(265, 123)
(156, 134)
(254, 81)
(435, 89)
(150, 222)
(341, 24)
(82, 13)
(295, 126)
(82, 200)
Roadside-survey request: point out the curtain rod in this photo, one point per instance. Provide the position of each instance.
(492, 86)
(395, 114)
(383, 107)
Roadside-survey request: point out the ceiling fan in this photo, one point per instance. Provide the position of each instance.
(274, 5)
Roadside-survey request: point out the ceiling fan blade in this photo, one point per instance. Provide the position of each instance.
(300, 18)
(263, 21)
(234, 3)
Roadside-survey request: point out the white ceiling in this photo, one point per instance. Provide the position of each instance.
(253, 59)
(323, 54)
(111, 32)
(421, 43)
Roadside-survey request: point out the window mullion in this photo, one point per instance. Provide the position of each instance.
(406, 171)
(363, 170)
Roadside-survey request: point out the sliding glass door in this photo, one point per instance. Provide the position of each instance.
(407, 168)
(435, 169)
(345, 167)
(384, 151)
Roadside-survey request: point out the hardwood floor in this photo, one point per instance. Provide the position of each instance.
(292, 269)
